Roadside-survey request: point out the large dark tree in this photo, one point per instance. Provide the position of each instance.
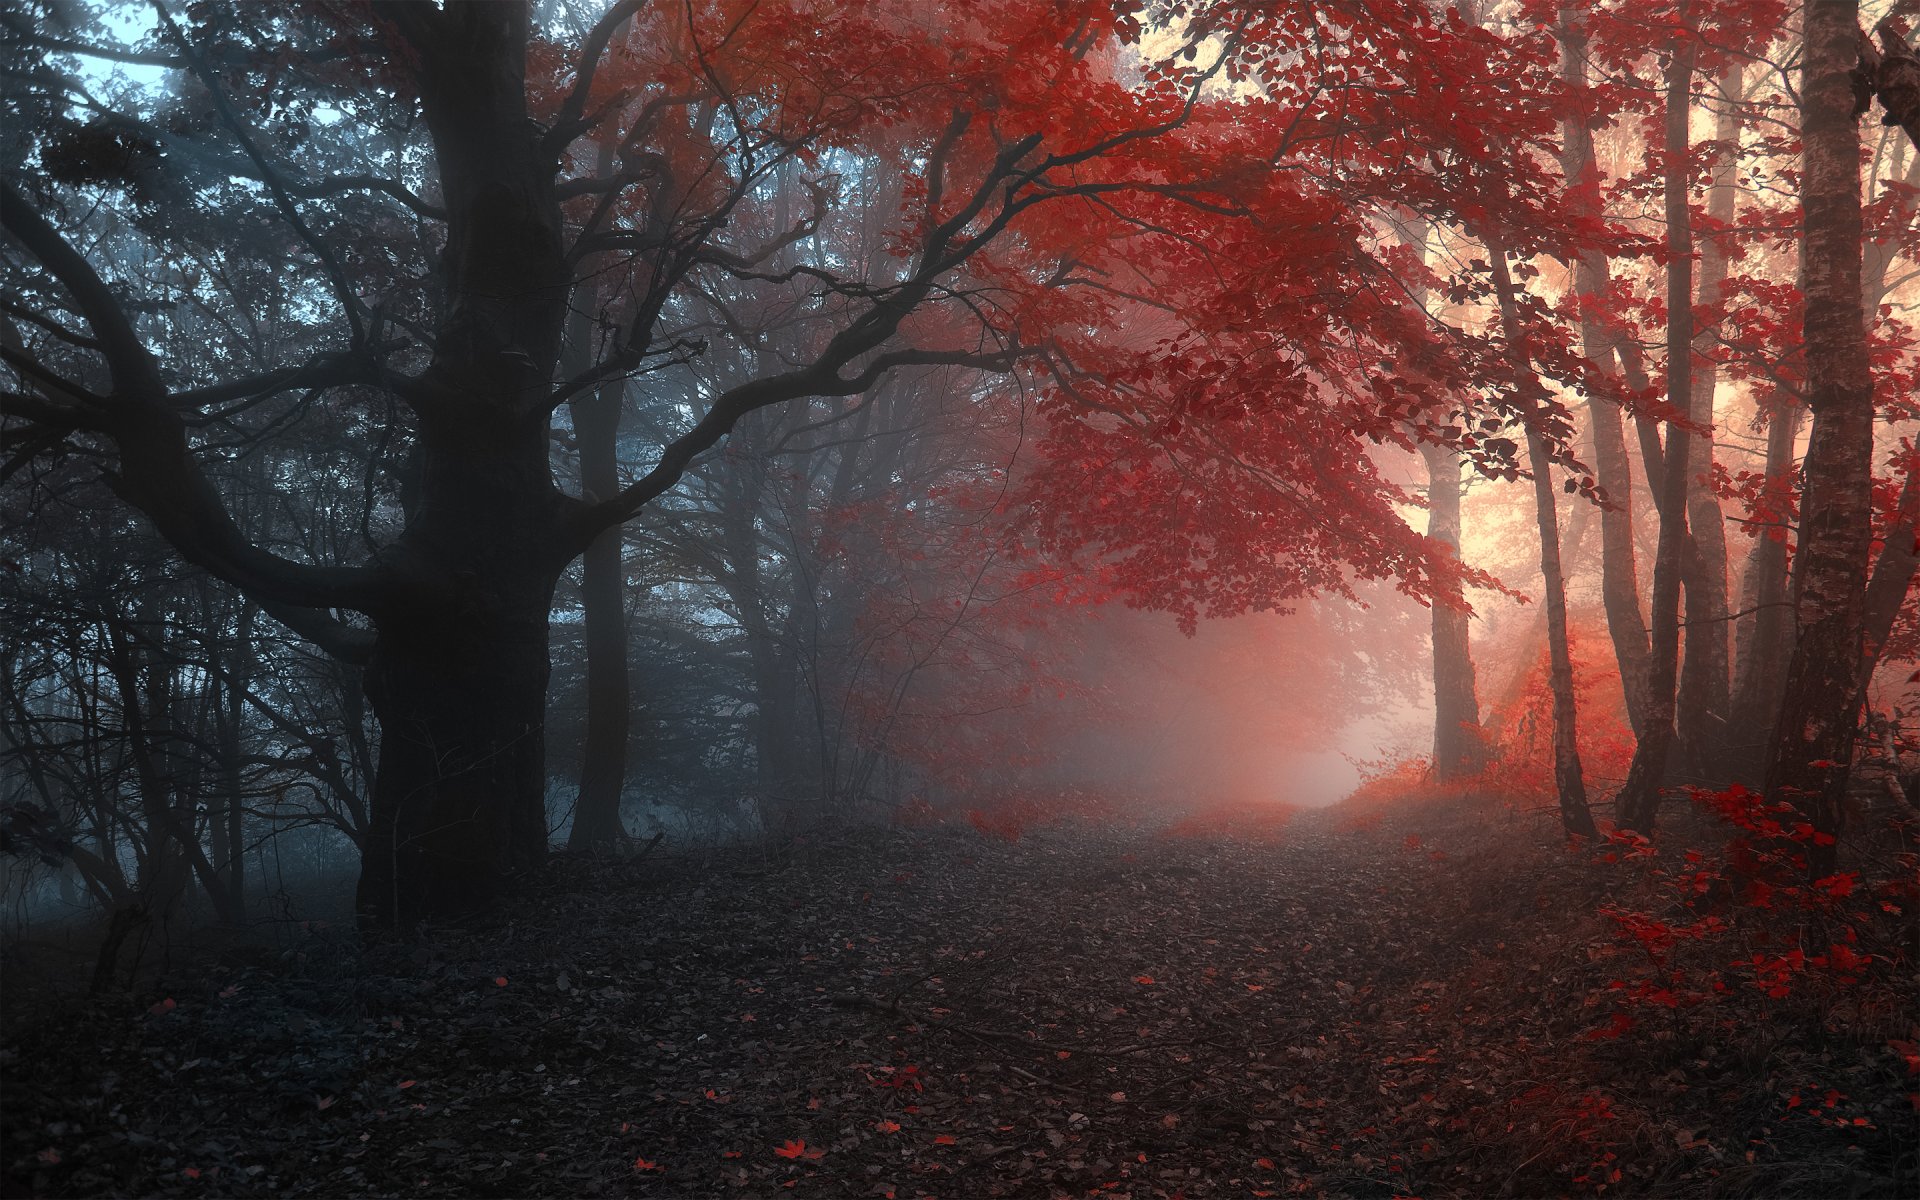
(449, 616)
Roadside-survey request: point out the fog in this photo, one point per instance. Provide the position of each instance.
(896, 598)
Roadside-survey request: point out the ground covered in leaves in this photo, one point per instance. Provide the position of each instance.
(1407, 1003)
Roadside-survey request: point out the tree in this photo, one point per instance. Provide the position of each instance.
(1619, 572)
(1819, 713)
(456, 604)
(1640, 796)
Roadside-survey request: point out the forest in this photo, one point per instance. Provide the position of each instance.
(918, 598)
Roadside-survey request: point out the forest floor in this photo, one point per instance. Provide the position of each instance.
(1344, 1003)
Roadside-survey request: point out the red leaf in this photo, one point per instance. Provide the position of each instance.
(793, 1148)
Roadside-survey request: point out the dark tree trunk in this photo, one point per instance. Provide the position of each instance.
(1892, 580)
(1814, 736)
(1569, 779)
(458, 673)
(1459, 744)
(603, 597)
(778, 776)
(1768, 641)
(229, 671)
(1619, 572)
(1639, 798)
(458, 799)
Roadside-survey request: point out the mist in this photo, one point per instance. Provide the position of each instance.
(905, 599)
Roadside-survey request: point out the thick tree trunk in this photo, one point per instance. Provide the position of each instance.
(1814, 736)
(1639, 798)
(1619, 571)
(1705, 685)
(458, 799)
(458, 674)
(1459, 744)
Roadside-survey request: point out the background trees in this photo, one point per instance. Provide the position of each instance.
(751, 400)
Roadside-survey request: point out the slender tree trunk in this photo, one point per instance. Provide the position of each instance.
(603, 602)
(1705, 701)
(1459, 744)
(1569, 779)
(1459, 741)
(1892, 580)
(1639, 797)
(230, 671)
(1619, 571)
(1814, 736)
(603, 759)
(1769, 641)
(775, 726)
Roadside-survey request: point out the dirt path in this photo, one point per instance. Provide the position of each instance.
(1335, 1007)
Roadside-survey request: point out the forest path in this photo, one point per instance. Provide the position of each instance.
(1335, 1004)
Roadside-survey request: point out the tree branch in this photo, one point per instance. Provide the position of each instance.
(159, 474)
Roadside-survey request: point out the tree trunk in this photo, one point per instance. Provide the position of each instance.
(458, 797)
(1568, 777)
(1705, 688)
(603, 595)
(458, 674)
(1892, 580)
(1459, 744)
(1814, 736)
(229, 672)
(1768, 643)
(1639, 798)
(1619, 572)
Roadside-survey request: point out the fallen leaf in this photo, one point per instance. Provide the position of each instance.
(793, 1148)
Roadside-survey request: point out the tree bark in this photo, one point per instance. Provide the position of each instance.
(1619, 571)
(458, 674)
(1569, 779)
(1706, 698)
(1814, 736)
(1892, 70)
(1893, 572)
(1459, 744)
(603, 759)
(1769, 642)
(1639, 797)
